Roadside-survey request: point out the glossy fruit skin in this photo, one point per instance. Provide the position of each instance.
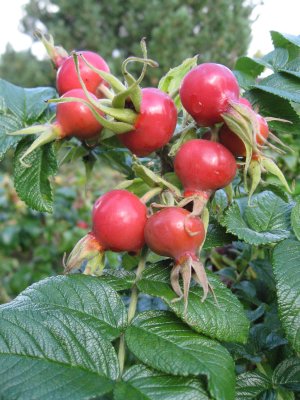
(154, 125)
(235, 145)
(119, 219)
(202, 165)
(75, 118)
(166, 233)
(206, 90)
(66, 77)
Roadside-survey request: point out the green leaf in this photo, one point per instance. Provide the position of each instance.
(19, 107)
(250, 384)
(136, 186)
(165, 343)
(8, 123)
(295, 219)
(247, 70)
(281, 84)
(286, 261)
(32, 184)
(277, 59)
(80, 297)
(287, 374)
(142, 383)
(53, 340)
(118, 279)
(251, 66)
(224, 321)
(270, 105)
(284, 394)
(293, 67)
(25, 378)
(171, 82)
(286, 41)
(266, 220)
(26, 104)
(115, 157)
(217, 236)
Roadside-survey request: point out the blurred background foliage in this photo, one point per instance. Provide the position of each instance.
(217, 30)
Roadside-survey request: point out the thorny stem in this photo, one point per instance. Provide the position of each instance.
(131, 309)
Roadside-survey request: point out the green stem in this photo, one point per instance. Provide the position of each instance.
(121, 354)
(242, 274)
(131, 310)
(134, 293)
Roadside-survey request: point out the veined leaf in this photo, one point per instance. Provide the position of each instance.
(286, 261)
(225, 320)
(32, 183)
(142, 383)
(266, 220)
(250, 384)
(281, 84)
(54, 340)
(287, 374)
(165, 343)
(295, 219)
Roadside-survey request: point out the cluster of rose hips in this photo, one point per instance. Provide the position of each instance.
(145, 120)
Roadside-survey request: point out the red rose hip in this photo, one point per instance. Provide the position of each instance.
(206, 92)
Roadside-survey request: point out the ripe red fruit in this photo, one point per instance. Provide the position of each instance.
(175, 232)
(233, 143)
(154, 125)
(206, 92)
(118, 220)
(167, 233)
(67, 79)
(204, 166)
(75, 118)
